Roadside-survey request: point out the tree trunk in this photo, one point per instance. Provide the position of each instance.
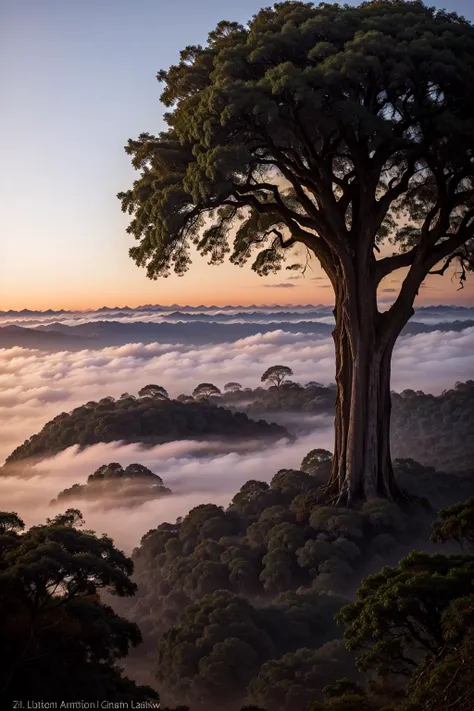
(364, 341)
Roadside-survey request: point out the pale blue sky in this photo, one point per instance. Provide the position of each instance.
(77, 79)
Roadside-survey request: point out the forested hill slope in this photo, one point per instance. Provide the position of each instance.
(254, 587)
(436, 430)
(142, 420)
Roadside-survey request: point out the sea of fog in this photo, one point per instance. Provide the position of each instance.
(35, 386)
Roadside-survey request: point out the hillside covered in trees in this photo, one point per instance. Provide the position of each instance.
(435, 430)
(282, 643)
(147, 420)
(238, 603)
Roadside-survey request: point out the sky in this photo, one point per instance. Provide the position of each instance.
(77, 79)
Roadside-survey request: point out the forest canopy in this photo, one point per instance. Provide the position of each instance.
(238, 602)
(228, 619)
(422, 423)
(150, 420)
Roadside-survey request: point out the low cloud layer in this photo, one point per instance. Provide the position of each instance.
(35, 386)
(197, 472)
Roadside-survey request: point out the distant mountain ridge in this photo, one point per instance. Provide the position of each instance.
(101, 334)
(159, 307)
(12, 336)
(207, 308)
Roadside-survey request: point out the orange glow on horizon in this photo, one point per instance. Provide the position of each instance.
(259, 297)
(91, 286)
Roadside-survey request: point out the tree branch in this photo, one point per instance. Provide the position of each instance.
(387, 265)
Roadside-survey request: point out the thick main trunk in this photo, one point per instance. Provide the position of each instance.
(362, 467)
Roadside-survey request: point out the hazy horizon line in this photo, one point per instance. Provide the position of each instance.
(166, 307)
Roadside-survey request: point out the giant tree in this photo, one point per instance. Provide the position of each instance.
(338, 131)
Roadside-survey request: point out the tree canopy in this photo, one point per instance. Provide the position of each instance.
(151, 420)
(276, 375)
(456, 524)
(232, 387)
(422, 423)
(153, 391)
(206, 390)
(238, 604)
(280, 557)
(218, 644)
(417, 620)
(58, 640)
(305, 122)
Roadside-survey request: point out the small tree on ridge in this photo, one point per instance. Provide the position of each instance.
(276, 374)
(205, 390)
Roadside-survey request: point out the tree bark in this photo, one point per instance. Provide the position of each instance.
(364, 341)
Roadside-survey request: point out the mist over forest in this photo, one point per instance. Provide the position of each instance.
(216, 505)
(43, 384)
(237, 507)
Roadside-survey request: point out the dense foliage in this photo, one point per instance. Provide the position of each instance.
(219, 644)
(435, 430)
(416, 621)
(151, 420)
(58, 641)
(456, 524)
(111, 485)
(301, 121)
(291, 396)
(254, 587)
(239, 605)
